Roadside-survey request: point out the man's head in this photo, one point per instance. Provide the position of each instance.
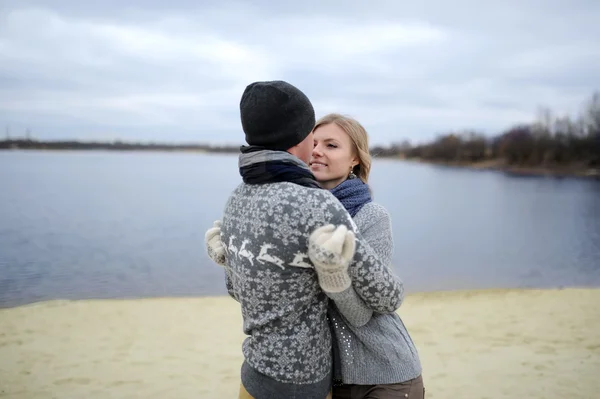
(278, 116)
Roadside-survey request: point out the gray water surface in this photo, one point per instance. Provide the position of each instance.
(79, 225)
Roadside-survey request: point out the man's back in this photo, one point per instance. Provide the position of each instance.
(265, 229)
(265, 232)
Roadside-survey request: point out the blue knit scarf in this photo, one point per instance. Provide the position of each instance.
(353, 194)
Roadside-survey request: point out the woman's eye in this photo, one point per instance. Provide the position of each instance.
(332, 146)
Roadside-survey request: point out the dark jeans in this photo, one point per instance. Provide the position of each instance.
(411, 389)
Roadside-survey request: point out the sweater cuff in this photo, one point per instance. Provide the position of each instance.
(334, 281)
(351, 307)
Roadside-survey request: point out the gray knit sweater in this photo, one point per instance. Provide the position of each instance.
(381, 351)
(265, 231)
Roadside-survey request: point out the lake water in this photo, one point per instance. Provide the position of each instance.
(112, 225)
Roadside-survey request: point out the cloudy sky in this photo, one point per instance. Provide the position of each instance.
(174, 70)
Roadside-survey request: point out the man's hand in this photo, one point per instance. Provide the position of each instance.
(331, 250)
(214, 246)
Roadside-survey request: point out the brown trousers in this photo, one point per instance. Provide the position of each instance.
(245, 395)
(411, 389)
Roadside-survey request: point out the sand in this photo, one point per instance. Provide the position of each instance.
(474, 344)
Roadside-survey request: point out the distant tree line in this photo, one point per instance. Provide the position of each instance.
(29, 144)
(547, 142)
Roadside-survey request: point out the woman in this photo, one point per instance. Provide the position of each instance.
(379, 359)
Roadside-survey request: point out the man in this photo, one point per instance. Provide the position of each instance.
(275, 225)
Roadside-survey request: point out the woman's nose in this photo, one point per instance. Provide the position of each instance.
(317, 150)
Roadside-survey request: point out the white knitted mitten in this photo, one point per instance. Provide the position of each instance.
(214, 246)
(331, 250)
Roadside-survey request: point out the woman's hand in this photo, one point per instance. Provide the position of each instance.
(214, 246)
(331, 250)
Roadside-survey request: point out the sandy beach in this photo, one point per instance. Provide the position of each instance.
(473, 344)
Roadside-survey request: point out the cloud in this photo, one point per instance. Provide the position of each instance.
(174, 71)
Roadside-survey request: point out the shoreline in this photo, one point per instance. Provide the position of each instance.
(211, 297)
(498, 165)
(117, 150)
(491, 343)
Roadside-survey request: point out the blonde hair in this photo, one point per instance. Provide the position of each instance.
(360, 141)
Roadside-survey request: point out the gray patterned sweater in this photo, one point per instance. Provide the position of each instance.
(265, 231)
(381, 351)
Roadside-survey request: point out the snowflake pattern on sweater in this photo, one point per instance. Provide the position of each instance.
(265, 234)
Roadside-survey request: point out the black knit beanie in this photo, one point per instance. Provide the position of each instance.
(275, 115)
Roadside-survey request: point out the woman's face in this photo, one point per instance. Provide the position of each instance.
(333, 155)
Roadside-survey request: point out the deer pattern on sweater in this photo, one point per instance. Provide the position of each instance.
(263, 255)
(265, 230)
